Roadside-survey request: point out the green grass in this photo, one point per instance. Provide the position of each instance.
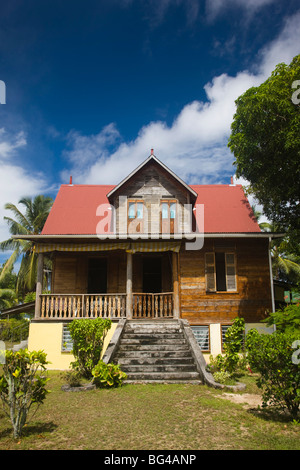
(150, 417)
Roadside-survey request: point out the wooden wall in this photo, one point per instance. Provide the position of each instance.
(252, 298)
(70, 272)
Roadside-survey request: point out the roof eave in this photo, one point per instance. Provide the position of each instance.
(152, 237)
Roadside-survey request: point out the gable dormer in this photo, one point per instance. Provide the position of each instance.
(151, 199)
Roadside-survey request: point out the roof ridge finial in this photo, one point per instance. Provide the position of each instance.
(152, 150)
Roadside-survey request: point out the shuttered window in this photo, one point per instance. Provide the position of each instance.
(220, 272)
(230, 271)
(210, 272)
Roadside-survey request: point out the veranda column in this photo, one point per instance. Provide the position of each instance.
(175, 285)
(39, 284)
(129, 286)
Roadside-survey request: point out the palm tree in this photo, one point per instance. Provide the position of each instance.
(282, 262)
(8, 298)
(30, 222)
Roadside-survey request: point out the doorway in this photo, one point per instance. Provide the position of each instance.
(152, 274)
(97, 276)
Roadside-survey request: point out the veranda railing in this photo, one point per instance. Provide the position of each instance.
(83, 306)
(70, 306)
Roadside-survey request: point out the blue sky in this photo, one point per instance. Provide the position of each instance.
(92, 86)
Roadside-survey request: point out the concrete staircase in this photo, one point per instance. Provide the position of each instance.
(156, 351)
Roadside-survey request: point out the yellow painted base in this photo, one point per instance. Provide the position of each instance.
(47, 336)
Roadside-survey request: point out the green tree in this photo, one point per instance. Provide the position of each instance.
(22, 385)
(8, 298)
(265, 141)
(272, 356)
(286, 320)
(30, 222)
(285, 262)
(9, 280)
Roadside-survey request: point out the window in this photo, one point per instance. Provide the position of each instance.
(224, 329)
(135, 216)
(67, 342)
(201, 334)
(220, 272)
(168, 216)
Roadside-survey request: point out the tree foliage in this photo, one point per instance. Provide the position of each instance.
(88, 337)
(286, 320)
(272, 356)
(108, 375)
(265, 141)
(22, 385)
(31, 222)
(232, 360)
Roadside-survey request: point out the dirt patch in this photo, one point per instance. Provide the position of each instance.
(248, 399)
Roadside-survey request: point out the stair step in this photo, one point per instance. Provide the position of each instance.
(152, 340)
(152, 368)
(154, 347)
(148, 335)
(164, 376)
(161, 330)
(124, 361)
(124, 353)
(164, 381)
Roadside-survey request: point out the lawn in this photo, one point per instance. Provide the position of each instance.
(151, 417)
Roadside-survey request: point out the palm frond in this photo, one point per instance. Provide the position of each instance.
(8, 298)
(9, 264)
(15, 227)
(18, 214)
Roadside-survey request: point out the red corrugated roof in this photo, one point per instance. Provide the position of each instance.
(74, 210)
(226, 209)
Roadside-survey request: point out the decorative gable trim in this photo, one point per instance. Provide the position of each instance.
(164, 167)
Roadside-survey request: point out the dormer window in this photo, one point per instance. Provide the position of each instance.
(135, 216)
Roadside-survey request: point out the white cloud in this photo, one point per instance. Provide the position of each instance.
(282, 49)
(215, 8)
(15, 181)
(195, 145)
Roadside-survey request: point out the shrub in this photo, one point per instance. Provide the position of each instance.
(88, 337)
(232, 360)
(272, 356)
(108, 375)
(21, 386)
(286, 320)
(73, 378)
(13, 329)
(222, 377)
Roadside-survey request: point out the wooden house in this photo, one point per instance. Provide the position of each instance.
(151, 248)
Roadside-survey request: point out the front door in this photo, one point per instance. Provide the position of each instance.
(97, 276)
(152, 278)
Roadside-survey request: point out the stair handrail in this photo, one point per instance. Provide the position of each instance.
(114, 342)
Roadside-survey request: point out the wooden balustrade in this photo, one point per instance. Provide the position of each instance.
(158, 305)
(72, 306)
